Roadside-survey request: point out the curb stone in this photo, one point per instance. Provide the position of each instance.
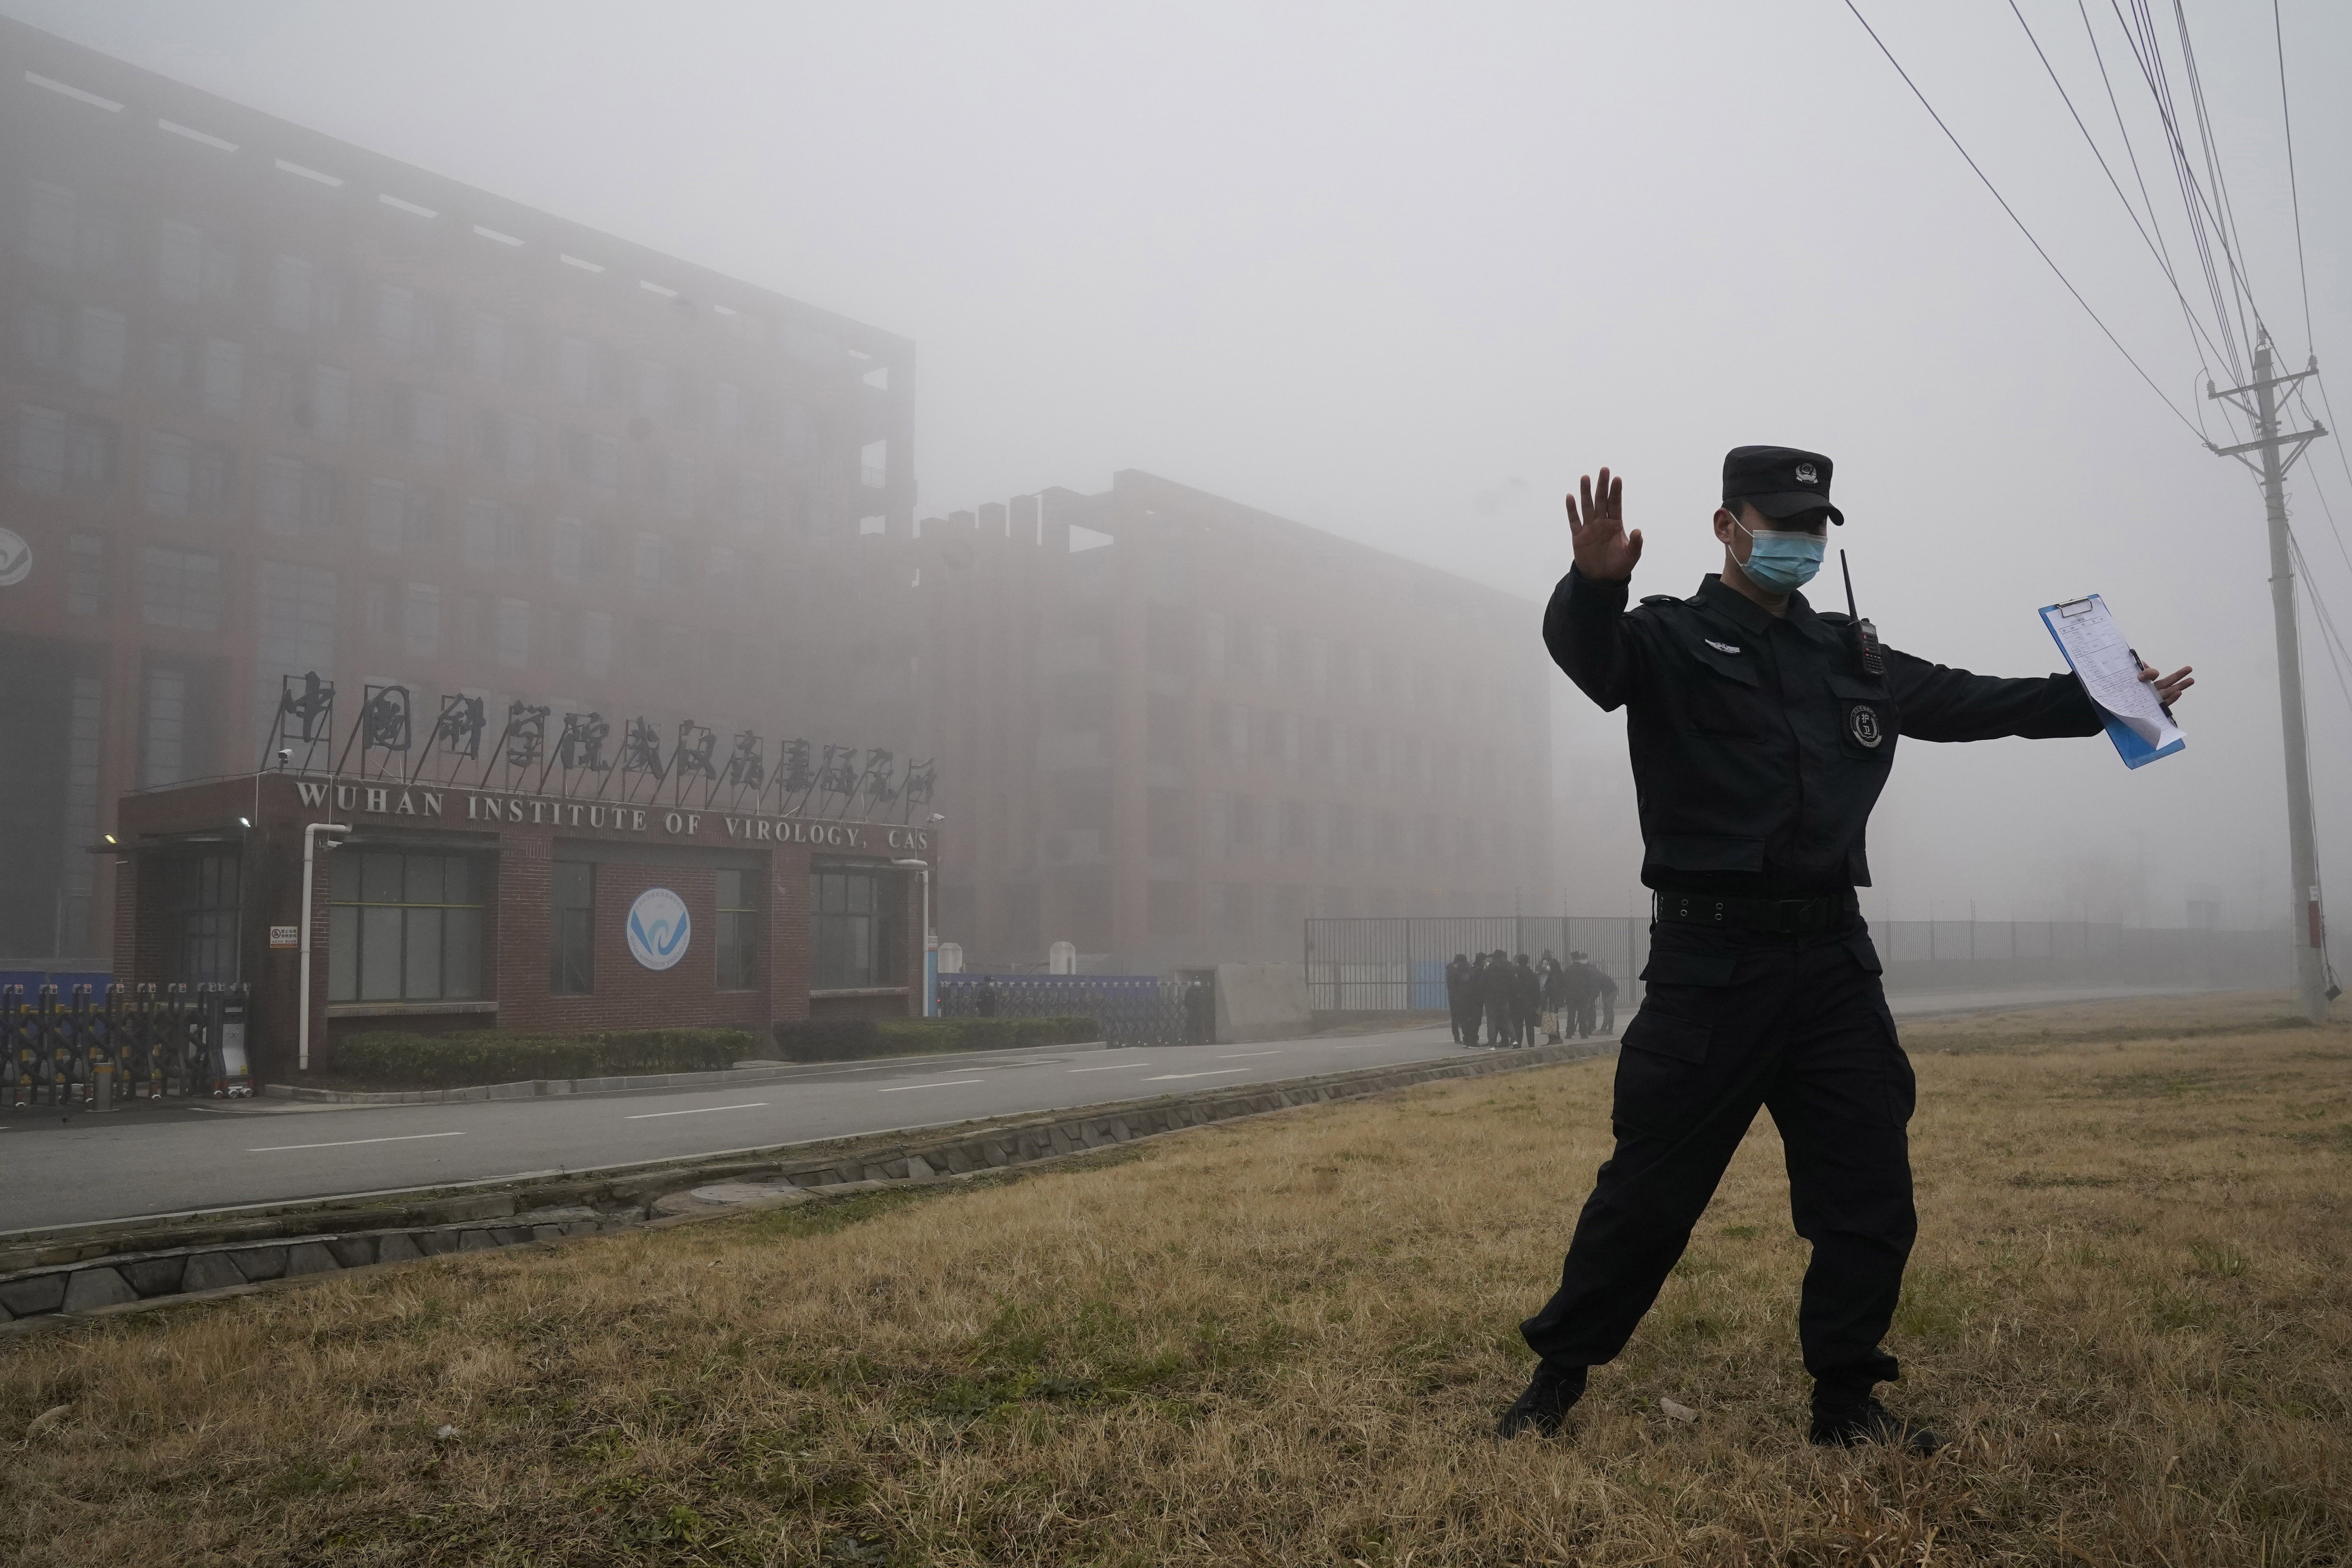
(547, 1088)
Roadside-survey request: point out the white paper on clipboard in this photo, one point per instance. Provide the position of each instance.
(2098, 650)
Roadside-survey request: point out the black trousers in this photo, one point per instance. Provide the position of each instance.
(1732, 1021)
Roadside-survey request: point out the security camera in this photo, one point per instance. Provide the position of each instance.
(939, 816)
(285, 755)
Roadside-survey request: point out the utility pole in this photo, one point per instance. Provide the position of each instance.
(2278, 452)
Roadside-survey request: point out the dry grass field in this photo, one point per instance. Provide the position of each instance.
(1283, 1341)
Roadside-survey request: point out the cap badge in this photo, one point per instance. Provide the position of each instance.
(1862, 722)
(1807, 474)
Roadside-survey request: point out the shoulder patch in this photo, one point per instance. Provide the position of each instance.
(1660, 599)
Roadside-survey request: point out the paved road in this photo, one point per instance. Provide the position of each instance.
(177, 1156)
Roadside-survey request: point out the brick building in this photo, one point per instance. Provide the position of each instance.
(1171, 727)
(272, 404)
(437, 906)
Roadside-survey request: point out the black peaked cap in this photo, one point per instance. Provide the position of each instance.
(1778, 481)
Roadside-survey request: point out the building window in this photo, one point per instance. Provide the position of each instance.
(41, 334)
(317, 398)
(179, 259)
(649, 557)
(489, 345)
(216, 476)
(738, 925)
(200, 900)
(40, 449)
(1164, 910)
(290, 294)
(421, 621)
(296, 496)
(404, 928)
(595, 642)
(387, 514)
(86, 575)
(297, 624)
(171, 474)
(165, 749)
(102, 342)
(494, 535)
(49, 232)
(653, 390)
(566, 551)
(571, 950)
(396, 320)
(182, 589)
(513, 633)
(850, 925)
(375, 601)
(222, 385)
(89, 455)
(576, 371)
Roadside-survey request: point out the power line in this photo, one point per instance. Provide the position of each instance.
(2139, 31)
(2286, 120)
(2019, 222)
(2331, 642)
(2163, 261)
(2164, 252)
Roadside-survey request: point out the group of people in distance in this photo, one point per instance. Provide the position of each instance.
(1512, 999)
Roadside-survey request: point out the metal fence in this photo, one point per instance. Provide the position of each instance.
(1398, 964)
(92, 1049)
(1133, 1009)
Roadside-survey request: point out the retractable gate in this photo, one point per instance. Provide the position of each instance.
(140, 1042)
(1133, 1009)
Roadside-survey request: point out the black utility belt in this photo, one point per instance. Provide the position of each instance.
(1782, 917)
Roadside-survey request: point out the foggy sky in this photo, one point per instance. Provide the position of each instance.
(1403, 273)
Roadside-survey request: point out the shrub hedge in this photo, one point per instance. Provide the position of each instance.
(849, 1039)
(400, 1060)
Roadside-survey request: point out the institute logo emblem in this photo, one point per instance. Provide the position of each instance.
(15, 558)
(658, 929)
(1863, 725)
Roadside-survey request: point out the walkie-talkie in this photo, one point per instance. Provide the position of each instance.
(1865, 635)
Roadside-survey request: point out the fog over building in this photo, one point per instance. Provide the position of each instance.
(274, 404)
(1171, 727)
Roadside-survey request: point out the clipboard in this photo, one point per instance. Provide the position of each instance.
(2141, 728)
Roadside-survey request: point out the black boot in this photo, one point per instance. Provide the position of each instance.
(1545, 1405)
(1847, 1425)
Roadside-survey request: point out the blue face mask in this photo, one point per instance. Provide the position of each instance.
(1782, 562)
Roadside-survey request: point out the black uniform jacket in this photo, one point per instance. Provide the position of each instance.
(1759, 744)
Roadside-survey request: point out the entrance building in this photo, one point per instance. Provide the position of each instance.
(437, 907)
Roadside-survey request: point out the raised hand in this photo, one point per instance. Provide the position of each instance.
(1605, 552)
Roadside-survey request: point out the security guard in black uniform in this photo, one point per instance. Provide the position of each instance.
(1761, 732)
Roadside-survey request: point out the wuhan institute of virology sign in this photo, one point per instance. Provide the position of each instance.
(15, 558)
(658, 929)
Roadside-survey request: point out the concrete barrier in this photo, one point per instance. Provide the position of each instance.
(1261, 1002)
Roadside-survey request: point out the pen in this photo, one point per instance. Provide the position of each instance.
(2160, 702)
